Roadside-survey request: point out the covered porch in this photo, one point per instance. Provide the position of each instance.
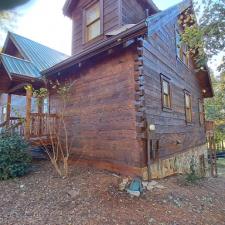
(36, 126)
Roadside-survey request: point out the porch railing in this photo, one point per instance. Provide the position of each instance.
(13, 125)
(40, 125)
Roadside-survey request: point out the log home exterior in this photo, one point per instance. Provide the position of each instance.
(137, 105)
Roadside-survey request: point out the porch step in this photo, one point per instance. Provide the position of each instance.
(38, 153)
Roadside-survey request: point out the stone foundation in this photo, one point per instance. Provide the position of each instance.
(180, 164)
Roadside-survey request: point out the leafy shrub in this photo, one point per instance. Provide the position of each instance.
(14, 158)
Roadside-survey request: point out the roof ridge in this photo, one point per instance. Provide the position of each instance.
(18, 35)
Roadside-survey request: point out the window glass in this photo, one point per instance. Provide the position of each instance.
(93, 21)
(188, 108)
(182, 49)
(92, 13)
(93, 30)
(46, 105)
(166, 94)
(201, 113)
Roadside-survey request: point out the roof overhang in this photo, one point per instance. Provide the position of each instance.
(11, 41)
(120, 39)
(205, 83)
(71, 4)
(114, 41)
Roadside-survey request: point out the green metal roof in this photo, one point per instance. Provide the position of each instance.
(18, 66)
(41, 56)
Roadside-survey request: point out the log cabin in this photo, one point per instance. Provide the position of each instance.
(137, 106)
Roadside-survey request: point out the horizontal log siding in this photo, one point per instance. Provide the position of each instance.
(132, 12)
(101, 112)
(159, 56)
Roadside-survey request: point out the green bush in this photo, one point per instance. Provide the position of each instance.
(14, 157)
(192, 177)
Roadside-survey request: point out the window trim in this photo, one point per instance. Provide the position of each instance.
(84, 22)
(185, 107)
(168, 80)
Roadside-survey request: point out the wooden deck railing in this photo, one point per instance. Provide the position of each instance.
(13, 125)
(42, 125)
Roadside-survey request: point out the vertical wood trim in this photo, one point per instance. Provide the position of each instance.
(28, 111)
(40, 111)
(101, 16)
(120, 12)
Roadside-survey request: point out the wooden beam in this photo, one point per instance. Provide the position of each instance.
(18, 87)
(28, 110)
(40, 102)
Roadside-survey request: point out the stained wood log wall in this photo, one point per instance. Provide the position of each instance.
(101, 114)
(159, 56)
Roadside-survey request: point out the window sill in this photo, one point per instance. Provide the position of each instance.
(165, 109)
(189, 123)
(93, 41)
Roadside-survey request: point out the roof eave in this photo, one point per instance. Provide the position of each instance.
(67, 8)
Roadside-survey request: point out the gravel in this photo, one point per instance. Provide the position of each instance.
(91, 197)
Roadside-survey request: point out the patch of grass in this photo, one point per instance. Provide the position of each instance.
(221, 163)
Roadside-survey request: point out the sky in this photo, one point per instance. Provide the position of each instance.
(44, 22)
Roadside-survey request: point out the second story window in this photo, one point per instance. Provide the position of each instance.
(201, 112)
(166, 92)
(188, 106)
(92, 15)
(182, 49)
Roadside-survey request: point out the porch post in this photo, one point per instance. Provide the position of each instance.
(28, 110)
(40, 111)
(8, 108)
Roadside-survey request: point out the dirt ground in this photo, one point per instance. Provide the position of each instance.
(91, 197)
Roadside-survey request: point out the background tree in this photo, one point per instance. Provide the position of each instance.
(10, 4)
(206, 39)
(8, 16)
(8, 20)
(215, 108)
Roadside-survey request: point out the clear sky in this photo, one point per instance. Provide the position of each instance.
(43, 21)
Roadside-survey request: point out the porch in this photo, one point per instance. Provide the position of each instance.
(38, 128)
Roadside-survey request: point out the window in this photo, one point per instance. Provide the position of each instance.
(4, 113)
(201, 112)
(46, 105)
(182, 49)
(92, 19)
(166, 92)
(188, 107)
